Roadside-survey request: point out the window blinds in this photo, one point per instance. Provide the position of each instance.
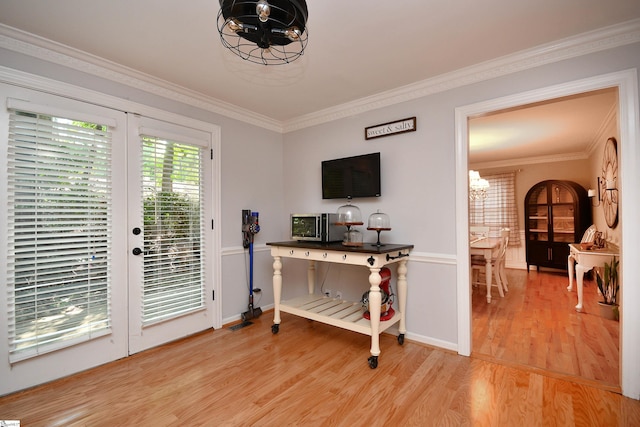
(172, 188)
(59, 237)
(499, 209)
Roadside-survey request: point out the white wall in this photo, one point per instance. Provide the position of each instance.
(251, 179)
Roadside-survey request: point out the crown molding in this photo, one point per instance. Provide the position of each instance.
(50, 51)
(606, 38)
(582, 44)
(530, 160)
(601, 134)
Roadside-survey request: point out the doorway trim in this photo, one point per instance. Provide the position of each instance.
(627, 83)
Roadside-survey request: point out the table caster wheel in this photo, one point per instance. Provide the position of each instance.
(401, 339)
(275, 329)
(373, 362)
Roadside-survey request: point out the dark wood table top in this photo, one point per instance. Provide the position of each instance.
(369, 248)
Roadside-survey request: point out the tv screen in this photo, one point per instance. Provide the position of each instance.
(351, 177)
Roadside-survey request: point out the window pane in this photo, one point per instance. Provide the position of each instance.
(59, 240)
(172, 207)
(499, 209)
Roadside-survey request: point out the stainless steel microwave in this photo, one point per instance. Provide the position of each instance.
(320, 227)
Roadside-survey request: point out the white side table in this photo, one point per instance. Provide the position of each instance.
(584, 261)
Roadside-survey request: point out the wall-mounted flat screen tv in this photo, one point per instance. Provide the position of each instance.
(351, 177)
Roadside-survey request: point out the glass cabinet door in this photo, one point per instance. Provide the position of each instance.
(563, 223)
(562, 210)
(561, 194)
(538, 215)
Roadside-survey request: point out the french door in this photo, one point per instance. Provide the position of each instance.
(170, 229)
(107, 240)
(63, 293)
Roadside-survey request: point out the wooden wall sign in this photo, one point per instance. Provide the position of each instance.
(391, 128)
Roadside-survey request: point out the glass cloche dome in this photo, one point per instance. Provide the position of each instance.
(349, 215)
(379, 222)
(353, 237)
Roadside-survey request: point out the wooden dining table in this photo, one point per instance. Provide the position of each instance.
(485, 246)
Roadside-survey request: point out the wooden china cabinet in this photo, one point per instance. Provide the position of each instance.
(556, 213)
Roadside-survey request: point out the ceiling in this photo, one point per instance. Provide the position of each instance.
(356, 49)
(560, 129)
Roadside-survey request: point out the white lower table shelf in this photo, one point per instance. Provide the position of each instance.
(343, 314)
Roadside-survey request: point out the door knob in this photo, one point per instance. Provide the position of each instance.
(137, 251)
(136, 231)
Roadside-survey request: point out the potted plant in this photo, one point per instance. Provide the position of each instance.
(608, 285)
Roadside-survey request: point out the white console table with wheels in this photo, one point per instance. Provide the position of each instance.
(336, 312)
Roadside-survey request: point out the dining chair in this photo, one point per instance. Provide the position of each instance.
(478, 265)
(502, 269)
(589, 235)
(477, 232)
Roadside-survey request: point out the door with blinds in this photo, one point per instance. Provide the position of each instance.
(107, 241)
(62, 275)
(170, 232)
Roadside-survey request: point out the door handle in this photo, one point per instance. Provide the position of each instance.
(137, 251)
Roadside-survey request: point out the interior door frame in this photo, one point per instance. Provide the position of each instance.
(626, 82)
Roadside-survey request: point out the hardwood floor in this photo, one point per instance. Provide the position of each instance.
(536, 325)
(311, 374)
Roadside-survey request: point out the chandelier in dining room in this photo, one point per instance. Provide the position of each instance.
(478, 187)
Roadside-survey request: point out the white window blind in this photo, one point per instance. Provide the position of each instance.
(499, 209)
(172, 188)
(59, 236)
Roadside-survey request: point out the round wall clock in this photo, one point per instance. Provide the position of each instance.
(609, 183)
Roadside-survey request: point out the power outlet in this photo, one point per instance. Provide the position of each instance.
(339, 294)
(328, 293)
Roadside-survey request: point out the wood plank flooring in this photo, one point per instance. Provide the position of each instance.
(311, 374)
(535, 325)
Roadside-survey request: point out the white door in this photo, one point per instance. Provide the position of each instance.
(63, 293)
(170, 231)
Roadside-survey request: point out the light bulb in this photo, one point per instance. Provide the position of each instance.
(235, 25)
(293, 33)
(263, 10)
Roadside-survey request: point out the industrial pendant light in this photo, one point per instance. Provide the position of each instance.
(268, 32)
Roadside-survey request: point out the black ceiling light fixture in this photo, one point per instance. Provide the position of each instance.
(268, 32)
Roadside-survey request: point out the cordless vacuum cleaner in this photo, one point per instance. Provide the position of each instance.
(250, 227)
